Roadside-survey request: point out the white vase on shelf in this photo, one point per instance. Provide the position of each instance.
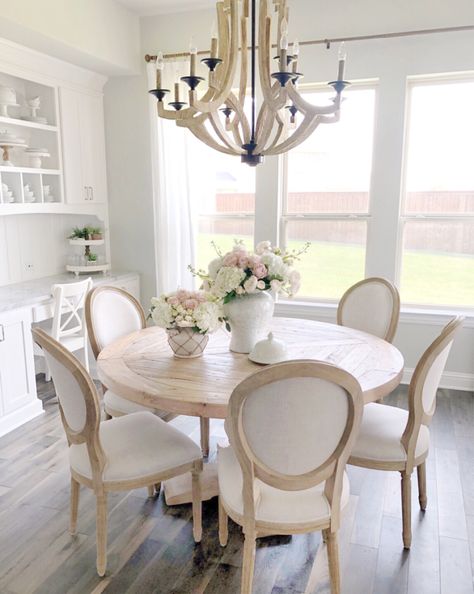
(249, 317)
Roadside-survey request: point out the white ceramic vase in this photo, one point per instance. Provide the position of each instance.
(249, 317)
(186, 343)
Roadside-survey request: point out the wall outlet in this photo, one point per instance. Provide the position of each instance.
(29, 267)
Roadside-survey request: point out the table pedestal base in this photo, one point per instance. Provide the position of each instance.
(178, 489)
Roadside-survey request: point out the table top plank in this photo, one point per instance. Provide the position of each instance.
(142, 368)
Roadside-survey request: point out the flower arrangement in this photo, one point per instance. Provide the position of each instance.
(186, 309)
(240, 272)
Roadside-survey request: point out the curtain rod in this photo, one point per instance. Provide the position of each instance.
(327, 42)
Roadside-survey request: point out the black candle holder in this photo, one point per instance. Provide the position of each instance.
(211, 63)
(292, 109)
(192, 81)
(159, 93)
(227, 111)
(283, 77)
(178, 105)
(339, 85)
(296, 77)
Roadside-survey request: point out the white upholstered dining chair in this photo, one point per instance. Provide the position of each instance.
(129, 452)
(394, 439)
(371, 305)
(291, 428)
(69, 326)
(110, 314)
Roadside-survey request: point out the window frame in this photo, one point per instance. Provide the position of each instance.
(404, 218)
(285, 217)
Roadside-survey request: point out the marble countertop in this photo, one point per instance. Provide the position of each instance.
(37, 291)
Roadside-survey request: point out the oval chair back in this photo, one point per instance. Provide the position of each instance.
(110, 314)
(425, 383)
(292, 426)
(371, 305)
(78, 398)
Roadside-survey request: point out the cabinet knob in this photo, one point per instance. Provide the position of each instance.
(2, 333)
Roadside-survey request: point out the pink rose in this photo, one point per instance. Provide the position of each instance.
(173, 300)
(191, 303)
(260, 270)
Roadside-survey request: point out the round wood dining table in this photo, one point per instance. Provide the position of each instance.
(142, 368)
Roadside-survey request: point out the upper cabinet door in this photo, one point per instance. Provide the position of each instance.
(82, 126)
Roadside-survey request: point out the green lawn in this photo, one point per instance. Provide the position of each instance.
(329, 268)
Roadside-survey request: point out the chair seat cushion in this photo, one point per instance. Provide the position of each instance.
(380, 433)
(274, 505)
(136, 446)
(115, 403)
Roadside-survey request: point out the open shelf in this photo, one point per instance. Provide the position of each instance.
(27, 124)
(29, 170)
(85, 242)
(87, 268)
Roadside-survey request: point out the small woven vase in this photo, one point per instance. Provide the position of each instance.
(186, 343)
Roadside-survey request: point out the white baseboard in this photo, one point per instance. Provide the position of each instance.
(450, 380)
(20, 416)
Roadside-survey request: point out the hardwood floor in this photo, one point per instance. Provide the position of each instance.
(151, 549)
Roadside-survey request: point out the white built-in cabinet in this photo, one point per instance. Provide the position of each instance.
(82, 128)
(18, 401)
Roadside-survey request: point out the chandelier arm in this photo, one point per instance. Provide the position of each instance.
(222, 135)
(171, 114)
(203, 135)
(268, 113)
(240, 117)
(270, 90)
(307, 108)
(306, 128)
(280, 129)
(218, 100)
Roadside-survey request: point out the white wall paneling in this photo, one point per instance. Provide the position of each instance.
(36, 245)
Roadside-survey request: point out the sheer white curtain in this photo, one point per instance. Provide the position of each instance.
(175, 219)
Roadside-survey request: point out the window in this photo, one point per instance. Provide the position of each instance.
(437, 261)
(327, 196)
(225, 201)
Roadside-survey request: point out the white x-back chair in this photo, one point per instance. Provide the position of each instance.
(69, 326)
(291, 429)
(129, 452)
(391, 438)
(371, 305)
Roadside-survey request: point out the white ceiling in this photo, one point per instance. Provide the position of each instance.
(149, 7)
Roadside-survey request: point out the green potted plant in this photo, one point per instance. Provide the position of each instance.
(92, 258)
(95, 233)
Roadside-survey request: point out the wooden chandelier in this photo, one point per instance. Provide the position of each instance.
(218, 118)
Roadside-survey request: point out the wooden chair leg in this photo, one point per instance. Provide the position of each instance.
(151, 490)
(406, 509)
(204, 423)
(75, 486)
(248, 564)
(197, 506)
(223, 525)
(422, 497)
(333, 561)
(101, 533)
(47, 372)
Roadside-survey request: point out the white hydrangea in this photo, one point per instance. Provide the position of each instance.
(214, 267)
(227, 280)
(275, 265)
(162, 314)
(263, 247)
(206, 316)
